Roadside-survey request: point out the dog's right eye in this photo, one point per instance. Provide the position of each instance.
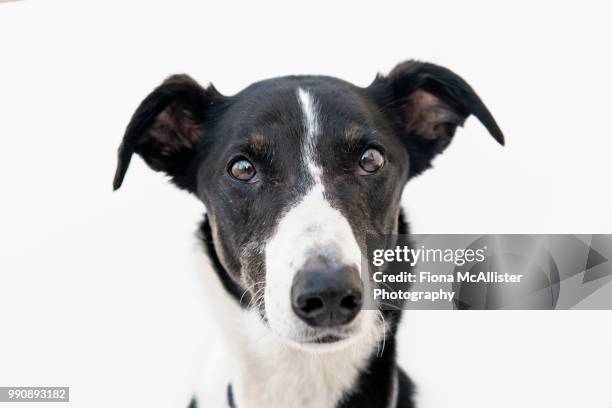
(242, 170)
(372, 160)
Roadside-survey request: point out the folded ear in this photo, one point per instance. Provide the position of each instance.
(166, 128)
(426, 103)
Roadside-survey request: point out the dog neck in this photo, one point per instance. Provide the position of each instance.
(266, 371)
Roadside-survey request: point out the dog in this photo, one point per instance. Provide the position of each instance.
(294, 172)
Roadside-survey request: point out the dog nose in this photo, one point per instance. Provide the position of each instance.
(327, 297)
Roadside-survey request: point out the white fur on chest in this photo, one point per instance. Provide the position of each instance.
(274, 374)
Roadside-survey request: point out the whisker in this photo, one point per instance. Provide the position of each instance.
(390, 306)
(384, 332)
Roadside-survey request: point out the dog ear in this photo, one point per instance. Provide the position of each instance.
(426, 103)
(166, 128)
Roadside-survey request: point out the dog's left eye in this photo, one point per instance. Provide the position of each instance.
(372, 160)
(243, 170)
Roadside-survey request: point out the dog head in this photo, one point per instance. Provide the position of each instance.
(294, 172)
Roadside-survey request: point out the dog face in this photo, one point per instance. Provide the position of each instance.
(295, 172)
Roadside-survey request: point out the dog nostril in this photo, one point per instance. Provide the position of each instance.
(351, 302)
(312, 305)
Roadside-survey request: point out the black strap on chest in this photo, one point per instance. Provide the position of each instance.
(230, 396)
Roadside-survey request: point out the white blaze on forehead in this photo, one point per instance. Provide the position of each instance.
(311, 124)
(311, 227)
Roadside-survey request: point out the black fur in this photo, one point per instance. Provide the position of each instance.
(230, 285)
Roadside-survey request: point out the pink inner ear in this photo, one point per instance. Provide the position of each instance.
(174, 129)
(428, 116)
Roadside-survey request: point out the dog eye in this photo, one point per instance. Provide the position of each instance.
(372, 160)
(242, 170)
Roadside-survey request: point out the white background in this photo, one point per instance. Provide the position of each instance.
(101, 291)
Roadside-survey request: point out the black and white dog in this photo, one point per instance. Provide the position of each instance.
(294, 172)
